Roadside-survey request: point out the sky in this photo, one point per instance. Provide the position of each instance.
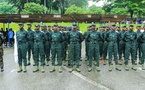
(98, 4)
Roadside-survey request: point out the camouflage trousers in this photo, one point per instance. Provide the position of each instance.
(1, 56)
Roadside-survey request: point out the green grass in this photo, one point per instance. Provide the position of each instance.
(83, 26)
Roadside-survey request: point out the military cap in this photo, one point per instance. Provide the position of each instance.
(107, 26)
(123, 26)
(36, 25)
(28, 23)
(93, 24)
(21, 23)
(55, 25)
(49, 26)
(131, 25)
(117, 27)
(43, 25)
(138, 26)
(113, 25)
(74, 24)
(103, 26)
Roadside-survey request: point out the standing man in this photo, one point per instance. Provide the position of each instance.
(1, 52)
(121, 45)
(112, 38)
(130, 47)
(22, 38)
(30, 44)
(101, 42)
(75, 38)
(56, 38)
(138, 47)
(87, 41)
(93, 37)
(46, 44)
(39, 39)
(141, 39)
(105, 46)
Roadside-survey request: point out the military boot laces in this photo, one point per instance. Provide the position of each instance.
(60, 69)
(110, 68)
(52, 69)
(36, 69)
(133, 68)
(126, 67)
(117, 68)
(143, 68)
(98, 69)
(89, 69)
(25, 69)
(20, 69)
(42, 69)
(78, 70)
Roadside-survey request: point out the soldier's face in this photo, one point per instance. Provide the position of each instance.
(113, 28)
(131, 28)
(93, 27)
(74, 27)
(138, 28)
(37, 27)
(55, 28)
(21, 26)
(49, 28)
(42, 28)
(29, 26)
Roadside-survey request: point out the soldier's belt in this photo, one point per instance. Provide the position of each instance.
(94, 42)
(56, 42)
(131, 42)
(37, 41)
(113, 41)
(74, 42)
(20, 42)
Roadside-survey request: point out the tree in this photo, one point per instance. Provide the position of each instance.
(74, 10)
(95, 10)
(132, 6)
(119, 11)
(33, 8)
(6, 8)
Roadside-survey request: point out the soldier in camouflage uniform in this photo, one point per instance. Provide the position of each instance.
(39, 39)
(46, 44)
(138, 45)
(30, 43)
(22, 38)
(1, 52)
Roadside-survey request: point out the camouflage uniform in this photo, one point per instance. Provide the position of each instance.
(1, 52)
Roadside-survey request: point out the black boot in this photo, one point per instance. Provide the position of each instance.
(2, 69)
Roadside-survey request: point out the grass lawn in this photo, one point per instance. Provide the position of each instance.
(83, 26)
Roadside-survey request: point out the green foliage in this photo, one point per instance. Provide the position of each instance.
(33, 8)
(6, 8)
(95, 10)
(74, 10)
(119, 11)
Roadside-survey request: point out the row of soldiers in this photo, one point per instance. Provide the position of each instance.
(98, 44)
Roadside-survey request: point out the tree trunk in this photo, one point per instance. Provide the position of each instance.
(131, 13)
